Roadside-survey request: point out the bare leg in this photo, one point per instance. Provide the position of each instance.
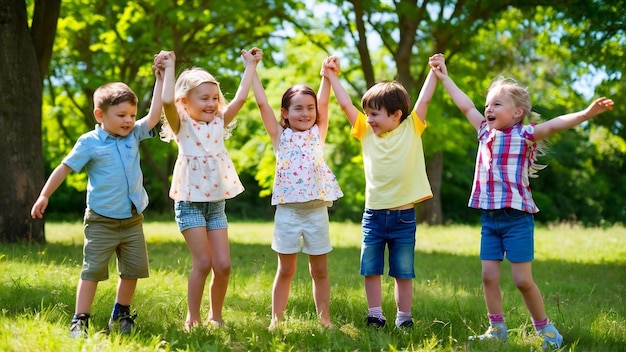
(318, 268)
(282, 286)
(198, 245)
(125, 291)
(373, 291)
(85, 293)
(220, 254)
(404, 294)
(523, 278)
(491, 285)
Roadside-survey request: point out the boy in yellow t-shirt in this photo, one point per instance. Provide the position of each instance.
(395, 179)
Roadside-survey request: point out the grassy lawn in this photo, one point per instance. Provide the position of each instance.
(581, 273)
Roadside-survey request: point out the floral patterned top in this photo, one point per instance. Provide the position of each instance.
(203, 171)
(302, 174)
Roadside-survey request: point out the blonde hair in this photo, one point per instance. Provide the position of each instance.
(186, 82)
(521, 99)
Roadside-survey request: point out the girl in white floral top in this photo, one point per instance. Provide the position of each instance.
(304, 188)
(204, 176)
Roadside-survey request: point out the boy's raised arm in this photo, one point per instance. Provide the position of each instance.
(156, 106)
(425, 96)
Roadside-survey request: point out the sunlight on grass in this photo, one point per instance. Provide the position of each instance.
(579, 270)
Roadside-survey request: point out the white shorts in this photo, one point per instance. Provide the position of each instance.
(302, 226)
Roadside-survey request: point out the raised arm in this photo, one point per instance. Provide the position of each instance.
(323, 97)
(598, 106)
(168, 62)
(462, 101)
(54, 181)
(251, 59)
(156, 106)
(267, 114)
(331, 71)
(426, 94)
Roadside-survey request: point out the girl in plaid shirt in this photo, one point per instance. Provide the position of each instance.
(501, 190)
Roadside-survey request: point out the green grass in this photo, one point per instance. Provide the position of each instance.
(581, 273)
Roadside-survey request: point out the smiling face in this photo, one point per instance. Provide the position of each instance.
(203, 102)
(301, 113)
(382, 121)
(501, 111)
(117, 120)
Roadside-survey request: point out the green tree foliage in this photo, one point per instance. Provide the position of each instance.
(553, 48)
(101, 41)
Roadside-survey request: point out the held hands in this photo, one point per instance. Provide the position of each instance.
(437, 64)
(163, 60)
(330, 65)
(252, 56)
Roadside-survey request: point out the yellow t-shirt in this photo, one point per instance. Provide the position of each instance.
(395, 169)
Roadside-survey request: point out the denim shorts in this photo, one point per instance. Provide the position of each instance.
(507, 231)
(105, 237)
(388, 228)
(297, 226)
(210, 215)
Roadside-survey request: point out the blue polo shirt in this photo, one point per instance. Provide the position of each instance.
(115, 180)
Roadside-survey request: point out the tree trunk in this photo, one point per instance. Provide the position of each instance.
(430, 211)
(20, 118)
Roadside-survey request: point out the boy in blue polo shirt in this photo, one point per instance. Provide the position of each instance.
(116, 198)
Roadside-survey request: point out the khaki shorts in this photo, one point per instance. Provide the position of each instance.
(302, 227)
(105, 237)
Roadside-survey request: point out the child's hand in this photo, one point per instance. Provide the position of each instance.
(599, 106)
(437, 63)
(253, 56)
(330, 66)
(39, 208)
(257, 53)
(163, 60)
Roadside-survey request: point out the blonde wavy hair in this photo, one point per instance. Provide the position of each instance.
(521, 99)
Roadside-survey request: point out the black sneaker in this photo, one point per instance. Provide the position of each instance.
(124, 323)
(79, 326)
(375, 321)
(406, 324)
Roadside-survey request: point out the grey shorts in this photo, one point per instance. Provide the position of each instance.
(105, 237)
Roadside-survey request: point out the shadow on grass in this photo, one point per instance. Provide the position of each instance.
(448, 304)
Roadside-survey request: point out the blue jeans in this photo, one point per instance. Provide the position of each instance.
(507, 231)
(388, 228)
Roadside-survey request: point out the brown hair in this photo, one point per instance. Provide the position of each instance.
(292, 92)
(114, 93)
(390, 95)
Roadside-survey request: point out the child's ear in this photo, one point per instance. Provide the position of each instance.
(519, 114)
(97, 113)
(397, 114)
